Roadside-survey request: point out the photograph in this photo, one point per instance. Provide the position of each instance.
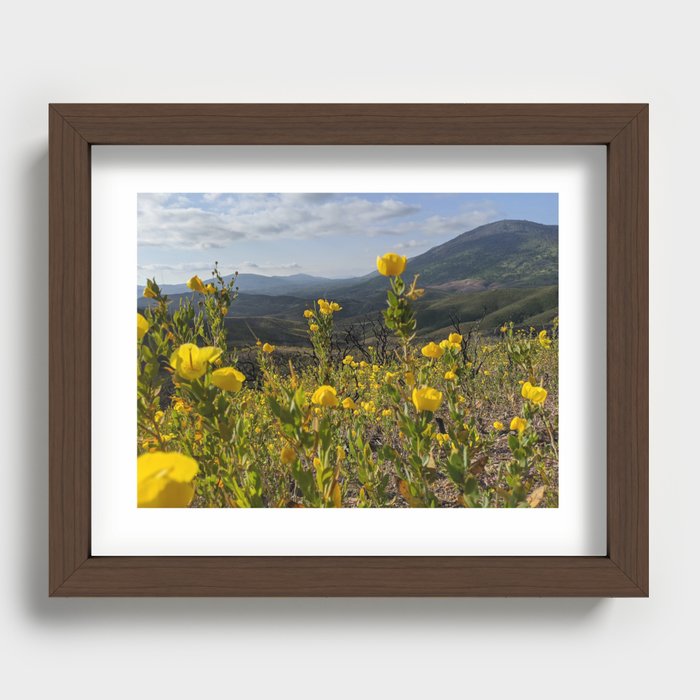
(347, 350)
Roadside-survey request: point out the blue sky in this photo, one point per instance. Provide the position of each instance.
(331, 235)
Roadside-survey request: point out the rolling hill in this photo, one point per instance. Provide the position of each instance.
(502, 271)
(270, 286)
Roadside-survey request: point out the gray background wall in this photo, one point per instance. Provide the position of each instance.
(361, 51)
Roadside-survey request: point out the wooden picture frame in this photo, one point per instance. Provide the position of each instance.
(74, 128)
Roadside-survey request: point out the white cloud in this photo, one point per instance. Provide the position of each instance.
(171, 224)
(268, 268)
(176, 267)
(413, 243)
(215, 221)
(179, 222)
(198, 267)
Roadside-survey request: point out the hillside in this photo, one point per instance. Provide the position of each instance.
(501, 254)
(503, 271)
(299, 284)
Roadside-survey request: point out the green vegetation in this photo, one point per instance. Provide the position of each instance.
(504, 271)
(445, 420)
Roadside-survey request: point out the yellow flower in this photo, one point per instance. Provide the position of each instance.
(191, 362)
(146, 443)
(313, 327)
(368, 406)
(455, 338)
(543, 340)
(409, 378)
(387, 412)
(442, 438)
(426, 399)
(536, 394)
(179, 406)
(518, 424)
(348, 360)
(165, 480)
(504, 328)
(142, 326)
(390, 376)
(268, 348)
(363, 364)
(308, 313)
(228, 378)
(498, 425)
(391, 264)
(335, 306)
(450, 376)
(158, 416)
(326, 307)
(447, 344)
(325, 396)
(209, 289)
(432, 350)
(348, 403)
(287, 455)
(149, 293)
(340, 454)
(196, 284)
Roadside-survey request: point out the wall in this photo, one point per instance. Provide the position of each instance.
(361, 51)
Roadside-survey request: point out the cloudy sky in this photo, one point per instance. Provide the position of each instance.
(331, 235)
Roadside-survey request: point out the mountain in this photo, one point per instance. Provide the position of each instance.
(504, 253)
(272, 286)
(502, 271)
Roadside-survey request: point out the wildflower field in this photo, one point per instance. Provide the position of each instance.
(462, 420)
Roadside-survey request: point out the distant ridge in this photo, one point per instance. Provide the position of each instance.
(507, 253)
(504, 253)
(505, 270)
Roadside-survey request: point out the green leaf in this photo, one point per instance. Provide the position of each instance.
(470, 485)
(387, 452)
(455, 472)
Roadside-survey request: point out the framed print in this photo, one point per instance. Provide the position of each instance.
(375, 352)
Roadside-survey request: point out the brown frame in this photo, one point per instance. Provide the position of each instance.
(74, 128)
